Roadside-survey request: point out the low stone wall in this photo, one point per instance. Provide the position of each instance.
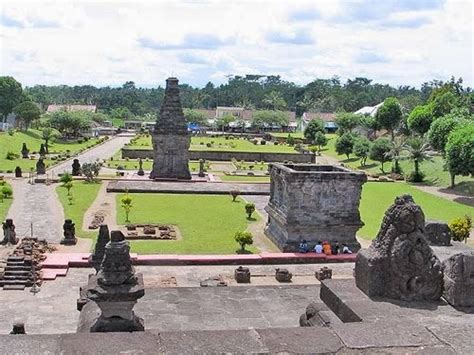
(226, 156)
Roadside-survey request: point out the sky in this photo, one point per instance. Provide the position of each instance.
(106, 43)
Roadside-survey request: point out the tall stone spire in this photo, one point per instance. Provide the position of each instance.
(171, 138)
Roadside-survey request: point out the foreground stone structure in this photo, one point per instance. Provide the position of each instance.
(99, 250)
(437, 233)
(315, 203)
(171, 138)
(115, 289)
(9, 234)
(459, 279)
(69, 232)
(400, 264)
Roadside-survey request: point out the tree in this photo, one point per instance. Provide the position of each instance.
(389, 115)
(224, 121)
(370, 124)
(443, 126)
(194, 116)
(314, 126)
(249, 209)
(418, 150)
(320, 140)
(345, 144)
(123, 113)
(460, 152)
(346, 122)
(268, 118)
(274, 101)
(234, 194)
(127, 204)
(10, 95)
(443, 104)
(70, 124)
(48, 134)
(420, 119)
(361, 149)
(27, 112)
(397, 147)
(379, 151)
(65, 178)
(91, 171)
(243, 238)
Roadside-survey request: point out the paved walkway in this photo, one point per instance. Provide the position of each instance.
(37, 205)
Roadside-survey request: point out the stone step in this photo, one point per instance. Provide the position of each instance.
(16, 263)
(18, 267)
(18, 277)
(16, 282)
(17, 272)
(14, 287)
(15, 258)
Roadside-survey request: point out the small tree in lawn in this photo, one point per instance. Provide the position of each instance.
(68, 186)
(320, 140)
(243, 238)
(396, 154)
(249, 209)
(418, 151)
(127, 204)
(314, 126)
(48, 134)
(65, 178)
(460, 152)
(379, 151)
(345, 144)
(362, 149)
(389, 115)
(91, 171)
(234, 194)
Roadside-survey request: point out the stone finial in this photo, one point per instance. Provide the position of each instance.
(18, 328)
(76, 168)
(9, 234)
(25, 151)
(400, 264)
(69, 232)
(99, 250)
(116, 267)
(40, 167)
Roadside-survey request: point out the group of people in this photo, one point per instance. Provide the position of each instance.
(324, 248)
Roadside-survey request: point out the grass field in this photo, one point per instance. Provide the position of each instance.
(132, 164)
(245, 178)
(222, 144)
(207, 222)
(378, 196)
(84, 195)
(5, 203)
(33, 141)
(285, 134)
(434, 170)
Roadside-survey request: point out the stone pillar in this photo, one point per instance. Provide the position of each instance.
(76, 168)
(18, 172)
(313, 203)
(9, 234)
(40, 167)
(171, 139)
(140, 168)
(115, 289)
(99, 250)
(201, 168)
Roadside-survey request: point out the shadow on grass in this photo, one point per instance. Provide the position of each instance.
(367, 166)
(252, 219)
(243, 252)
(350, 160)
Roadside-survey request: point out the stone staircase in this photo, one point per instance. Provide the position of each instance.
(18, 273)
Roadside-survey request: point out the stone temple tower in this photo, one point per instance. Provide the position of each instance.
(171, 138)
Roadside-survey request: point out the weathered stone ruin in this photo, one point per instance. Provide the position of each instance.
(18, 172)
(437, 233)
(323, 274)
(76, 168)
(9, 234)
(140, 172)
(99, 251)
(283, 275)
(25, 151)
(459, 279)
(115, 290)
(314, 203)
(400, 264)
(69, 229)
(40, 167)
(171, 138)
(242, 275)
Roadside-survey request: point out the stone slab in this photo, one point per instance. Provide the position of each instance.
(445, 252)
(384, 333)
(213, 188)
(338, 296)
(459, 337)
(29, 344)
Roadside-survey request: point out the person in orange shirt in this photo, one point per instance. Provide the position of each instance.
(327, 248)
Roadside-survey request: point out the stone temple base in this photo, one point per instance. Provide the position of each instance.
(68, 241)
(170, 156)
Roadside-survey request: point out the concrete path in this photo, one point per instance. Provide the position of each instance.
(38, 204)
(103, 151)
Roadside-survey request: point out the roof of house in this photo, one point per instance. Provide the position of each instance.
(325, 116)
(55, 108)
(369, 110)
(210, 114)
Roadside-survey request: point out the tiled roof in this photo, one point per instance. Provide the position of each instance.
(55, 108)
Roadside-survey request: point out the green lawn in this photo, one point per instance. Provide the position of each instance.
(132, 164)
(245, 178)
(378, 196)
(5, 203)
(207, 222)
(433, 170)
(84, 195)
(285, 134)
(33, 141)
(221, 144)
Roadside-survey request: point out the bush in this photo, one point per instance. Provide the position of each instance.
(345, 144)
(263, 142)
(209, 145)
(12, 156)
(415, 177)
(249, 209)
(7, 191)
(234, 194)
(243, 238)
(460, 228)
(11, 131)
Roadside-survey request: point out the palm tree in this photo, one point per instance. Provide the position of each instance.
(274, 100)
(396, 153)
(418, 150)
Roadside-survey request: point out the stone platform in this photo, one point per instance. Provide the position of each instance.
(212, 188)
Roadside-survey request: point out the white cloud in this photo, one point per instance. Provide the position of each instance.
(108, 43)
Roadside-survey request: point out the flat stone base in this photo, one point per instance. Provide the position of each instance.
(68, 241)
